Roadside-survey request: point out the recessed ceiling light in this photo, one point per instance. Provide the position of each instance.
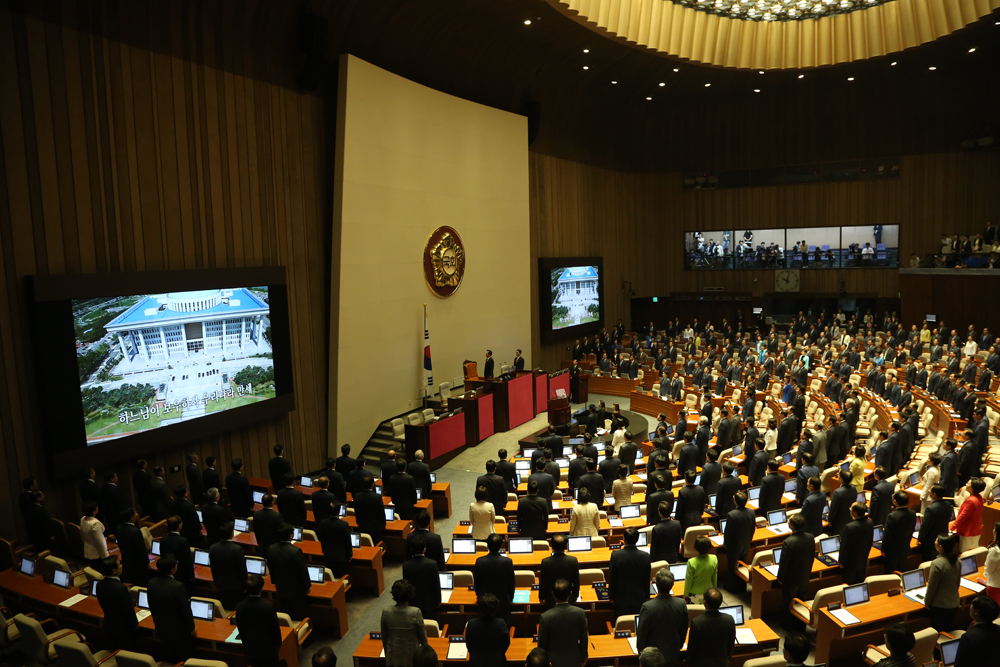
(676, 70)
(613, 82)
(760, 72)
(662, 84)
(932, 68)
(586, 50)
(850, 78)
(972, 50)
(756, 90)
(707, 85)
(649, 98)
(527, 21)
(893, 63)
(802, 76)
(585, 67)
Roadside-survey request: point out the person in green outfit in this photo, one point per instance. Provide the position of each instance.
(702, 571)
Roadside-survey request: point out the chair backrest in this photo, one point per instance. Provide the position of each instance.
(463, 578)
(366, 540)
(824, 597)
(524, 578)
(690, 535)
(591, 575)
(428, 414)
(882, 583)
(540, 545)
(695, 610)
(826, 478)
(414, 419)
(74, 653)
(131, 659)
(432, 628)
(623, 623)
(767, 661)
(598, 542)
(33, 640)
(923, 650)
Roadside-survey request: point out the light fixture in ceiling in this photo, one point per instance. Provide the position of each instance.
(648, 98)
(802, 76)
(778, 10)
(676, 70)
(932, 68)
(707, 85)
(972, 50)
(585, 67)
(586, 50)
(893, 63)
(756, 90)
(850, 78)
(614, 82)
(527, 21)
(662, 84)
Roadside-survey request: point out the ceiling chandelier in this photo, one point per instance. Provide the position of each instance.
(778, 10)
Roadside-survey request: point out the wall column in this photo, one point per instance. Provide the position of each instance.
(184, 341)
(121, 343)
(223, 336)
(163, 339)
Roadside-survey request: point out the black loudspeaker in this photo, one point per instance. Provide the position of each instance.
(533, 110)
(310, 51)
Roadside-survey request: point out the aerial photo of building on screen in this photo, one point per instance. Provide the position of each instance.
(575, 299)
(155, 359)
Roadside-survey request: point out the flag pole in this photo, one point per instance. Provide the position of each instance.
(424, 375)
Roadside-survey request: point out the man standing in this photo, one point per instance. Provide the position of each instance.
(111, 502)
(518, 361)
(287, 567)
(171, 610)
(158, 495)
(488, 366)
(740, 526)
(532, 514)
(404, 491)
(797, 554)
(194, 478)
(496, 489)
(140, 482)
(712, 636)
(369, 510)
(422, 572)
(771, 487)
(322, 500)
(386, 471)
(209, 476)
(131, 543)
(335, 537)
(265, 525)
(840, 503)
(240, 493)
(258, 624)
(421, 473)
(120, 621)
(881, 501)
(896, 533)
(628, 576)
(345, 464)
(292, 503)
(691, 501)
(433, 548)
(214, 516)
(663, 621)
(562, 631)
(558, 567)
(934, 522)
(494, 574)
(38, 524)
(229, 567)
(855, 545)
(176, 544)
(278, 467)
(726, 490)
(812, 508)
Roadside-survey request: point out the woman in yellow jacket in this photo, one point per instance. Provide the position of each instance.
(858, 469)
(586, 519)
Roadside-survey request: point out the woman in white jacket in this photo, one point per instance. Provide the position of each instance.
(482, 515)
(971, 347)
(586, 519)
(95, 546)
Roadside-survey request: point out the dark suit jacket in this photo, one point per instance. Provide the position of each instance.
(508, 474)
(322, 500)
(812, 512)
(626, 454)
(881, 502)
(840, 509)
(38, 527)
(370, 514)
(896, 535)
(422, 572)
(532, 517)
(855, 545)
(292, 506)
(260, 631)
(189, 515)
(711, 473)
(724, 498)
(287, 567)
(691, 500)
(89, 491)
(180, 547)
(977, 643)
(495, 574)
(771, 489)
(653, 501)
(562, 633)
(595, 484)
(110, 506)
(346, 464)
(160, 498)
(214, 516)
(740, 527)
(949, 471)
(240, 494)
(421, 474)
(665, 541)
(711, 640)
(265, 529)
(609, 471)
(496, 490)
(335, 537)
(140, 482)
(488, 368)
(229, 566)
(797, 555)
(663, 623)
(757, 467)
(135, 557)
(688, 458)
(404, 494)
(933, 523)
(555, 567)
(196, 485)
(338, 485)
(171, 609)
(628, 580)
(278, 467)
(210, 479)
(487, 641)
(120, 621)
(546, 485)
(432, 542)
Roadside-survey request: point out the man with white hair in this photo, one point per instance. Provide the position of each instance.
(421, 473)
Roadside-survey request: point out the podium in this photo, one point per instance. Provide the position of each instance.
(477, 405)
(559, 411)
(513, 399)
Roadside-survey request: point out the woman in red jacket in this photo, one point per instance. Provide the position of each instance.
(969, 523)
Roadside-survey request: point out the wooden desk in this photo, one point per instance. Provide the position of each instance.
(835, 640)
(611, 386)
(441, 499)
(943, 419)
(437, 438)
(478, 408)
(32, 594)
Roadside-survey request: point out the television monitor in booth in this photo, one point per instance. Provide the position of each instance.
(138, 362)
(570, 296)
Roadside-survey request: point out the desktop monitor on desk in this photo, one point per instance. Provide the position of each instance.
(775, 517)
(969, 566)
(256, 565)
(355, 540)
(389, 514)
(579, 543)
(463, 545)
(258, 497)
(143, 601)
(201, 557)
(857, 594)
(736, 611)
(519, 545)
(306, 481)
(204, 611)
(790, 486)
(434, 478)
(316, 573)
(630, 511)
(61, 578)
(241, 525)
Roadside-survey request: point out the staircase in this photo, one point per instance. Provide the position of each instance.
(376, 449)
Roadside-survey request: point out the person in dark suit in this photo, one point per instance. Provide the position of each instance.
(628, 576)
(609, 467)
(278, 467)
(532, 514)
(292, 503)
(840, 503)
(663, 621)
(214, 516)
(322, 500)
(369, 510)
(726, 490)
(881, 500)
(884, 453)
(422, 572)
(432, 541)
(388, 468)
(594, 483)
(355, 477)
(37, 523)
(627, 453)
(265, 525)
(812, 508)
(89, 491)
(404, 491)
(594, 420)
(797, 554)
(897, 532)
(421, 473)
(210, 476)
(240, 493)
(174, 542)
(701, 439)
(140, 482)
(496, 489)
(577, 467)
(981, 639)
(229, 567)
(589, 449)
(120, 621)
(171, 610)
(757, 467)
(158, 494)
(183, 508)
(691, 501)
(562, 630)
(486, 637)
(712, 636)
(662, 480)
(111, 502)
(934, 522)
(518, 361)
(786, 433)
(546, 485)
(494, 574)
(855, 544)
(949, 466)
(345, 464)
(688, 458)
(132, 545)
(741, 522)
(506, 470)
(711, 473)
(555, 567)
(334, 536)
(287, 567)
(336, 483)
(257, 622)
(771, 487)
(665, 537)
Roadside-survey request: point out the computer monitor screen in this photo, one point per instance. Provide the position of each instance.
(722, 526)
(93, 587)
(949, 651)
(563, 463)
(572, 295)
(736, 611)
(316, 574)
(862, 498)
(200, 557)
(378, 489)
(201, 519)
(846, 465)
(355, 541)
(143, 600)
(519, 545)
(787, 458)
(790, 486)
(877, 535)
(855, 594)
(829, 545)
(996, 492)
(434, 478)
(637, 623)
(446, 580)
(256, 565)
(579, 543)
(630, 511)
(576, 494)
(389, 514)
(777, 554)
(258, 496)
(969, 566)
(915, 479)
(913, 579)
(306, 480)
(754, 492)
(156, 547)
(202, 610)
(643, 539)
(522, 465)
(775, 517)
(60, 578)
(711, 501)
(679, 570)
(697, 479)
(527, 453)
(600, 458)
(758, 311)
(296, 534)
(463, 545)
(342, 512)
(737, 450)
(241, 526)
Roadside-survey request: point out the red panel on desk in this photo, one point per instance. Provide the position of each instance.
(447, 434)
(559, 382)
(541, 393)
(485, 404)
(521, 400)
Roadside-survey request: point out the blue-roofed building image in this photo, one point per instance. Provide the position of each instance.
(577, 299)
(176, 326)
